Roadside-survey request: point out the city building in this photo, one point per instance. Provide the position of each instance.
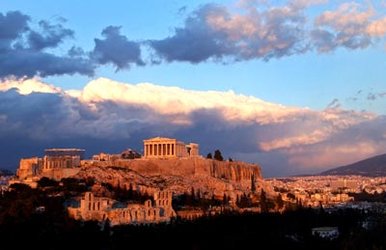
(162, 147)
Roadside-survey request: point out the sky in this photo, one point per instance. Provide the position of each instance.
(295, 86)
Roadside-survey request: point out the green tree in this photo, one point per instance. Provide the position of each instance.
(209, 156)
(218, 155)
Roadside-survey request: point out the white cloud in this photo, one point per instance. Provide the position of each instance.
(27, 86)
(177, 101)
(377, 27)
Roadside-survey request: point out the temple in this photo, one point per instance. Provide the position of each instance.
(59, 158)
(162, 147)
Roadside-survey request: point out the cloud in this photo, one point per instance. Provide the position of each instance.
(257, 30)
(215, 32)
(109, 116)
(116, 49)
(375, 96)
(246, 30)
(334, 104)
(28, 86)
(350, 26)
(29, 52)
(12, 25)
(50, 37)
(23, 51)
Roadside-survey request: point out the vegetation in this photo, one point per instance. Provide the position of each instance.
(218, 155)
(364, 196)
(194, 199)
(52, 229)
(123, 194)
(22, 222)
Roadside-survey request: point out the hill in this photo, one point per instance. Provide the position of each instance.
(211, 177)
(374, 166)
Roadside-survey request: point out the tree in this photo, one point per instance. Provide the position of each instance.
(291, 196)
(253, 184)
(279, 201)
(263, 201)
(230, 159)
(47, 182)
(209, 156)
(225, 199)
(218, 155)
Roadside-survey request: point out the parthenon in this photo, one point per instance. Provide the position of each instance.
(162, 147)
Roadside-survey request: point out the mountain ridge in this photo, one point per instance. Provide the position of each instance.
(373, 166)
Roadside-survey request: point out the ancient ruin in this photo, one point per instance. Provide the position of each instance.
(162, 147)
(103, 209)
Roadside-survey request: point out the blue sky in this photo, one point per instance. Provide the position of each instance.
(310, 79)
(325, 54)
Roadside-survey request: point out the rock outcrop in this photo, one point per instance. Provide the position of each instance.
(211, 177)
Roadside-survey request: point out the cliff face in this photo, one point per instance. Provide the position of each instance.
(234, 171)
(211, 177)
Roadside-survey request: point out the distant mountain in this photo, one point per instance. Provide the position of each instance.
(374, 166)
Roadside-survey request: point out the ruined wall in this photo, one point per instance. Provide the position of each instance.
(29, 167)
(101, 208)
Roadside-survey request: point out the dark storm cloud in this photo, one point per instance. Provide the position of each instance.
(23, 51)
(116, 49)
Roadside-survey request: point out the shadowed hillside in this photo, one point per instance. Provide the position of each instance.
(374, 166)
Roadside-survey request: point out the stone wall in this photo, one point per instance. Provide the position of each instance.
(29, 167)
(102, 208)
(58, 174)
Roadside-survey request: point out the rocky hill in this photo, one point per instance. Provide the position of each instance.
(374, 166)
(211, 177)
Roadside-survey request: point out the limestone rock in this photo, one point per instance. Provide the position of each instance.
(180, 175)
